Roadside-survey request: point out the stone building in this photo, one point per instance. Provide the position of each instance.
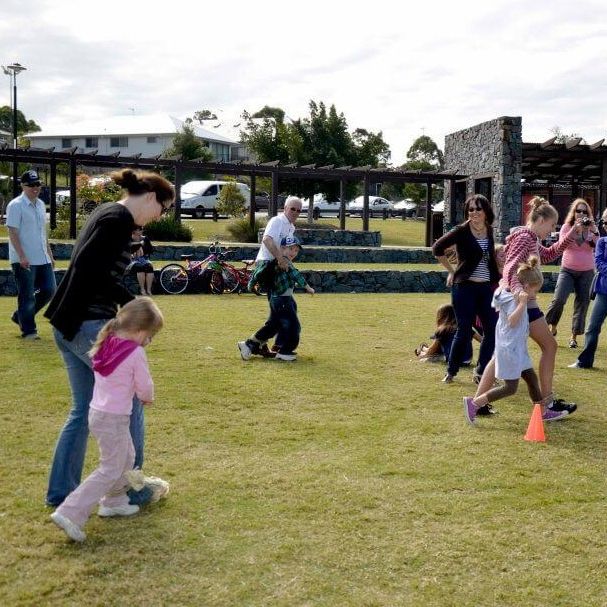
(509, 172)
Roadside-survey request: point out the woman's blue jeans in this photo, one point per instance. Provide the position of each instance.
(68, 461)
(472, 299)
(591, 337)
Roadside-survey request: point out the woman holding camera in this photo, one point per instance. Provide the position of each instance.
(577, 270)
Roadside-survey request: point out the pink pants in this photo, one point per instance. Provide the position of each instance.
(107, 484)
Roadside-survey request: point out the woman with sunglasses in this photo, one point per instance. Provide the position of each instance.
(577, 270)
(89, 296)
(471, 281)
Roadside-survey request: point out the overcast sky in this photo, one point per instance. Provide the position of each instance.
(403, 68)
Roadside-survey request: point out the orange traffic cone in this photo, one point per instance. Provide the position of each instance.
(535, 430)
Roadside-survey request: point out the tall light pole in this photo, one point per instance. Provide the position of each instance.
(12, 70)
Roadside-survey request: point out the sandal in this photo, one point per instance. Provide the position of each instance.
(572, 343)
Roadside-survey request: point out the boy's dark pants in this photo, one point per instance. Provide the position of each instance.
(283, 323)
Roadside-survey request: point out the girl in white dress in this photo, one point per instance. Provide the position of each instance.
(511, 355)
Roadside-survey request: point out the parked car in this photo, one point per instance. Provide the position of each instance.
(405, 207)
(320, 206)
(439, 207)
(377, 206)
(262, 201)
(200, 197)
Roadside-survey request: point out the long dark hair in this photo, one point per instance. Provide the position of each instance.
(445, 320)
(479, 200)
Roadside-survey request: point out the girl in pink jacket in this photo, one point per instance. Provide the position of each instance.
(121, 372)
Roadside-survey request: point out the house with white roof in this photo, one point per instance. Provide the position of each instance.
(134, 134)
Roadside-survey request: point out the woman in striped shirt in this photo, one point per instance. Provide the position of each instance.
(471, 281)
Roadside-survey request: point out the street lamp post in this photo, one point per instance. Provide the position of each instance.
(12, 70)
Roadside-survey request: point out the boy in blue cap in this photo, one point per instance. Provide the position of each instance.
(282, 321)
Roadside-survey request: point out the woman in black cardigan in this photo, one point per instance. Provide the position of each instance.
(472, 282)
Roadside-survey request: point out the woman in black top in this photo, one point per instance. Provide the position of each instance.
(471, 282)
(86, 298)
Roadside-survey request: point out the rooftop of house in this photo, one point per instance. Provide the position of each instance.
(134, 124)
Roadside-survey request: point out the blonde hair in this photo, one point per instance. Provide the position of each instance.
(530, 273)
(570, 219)
(540, 207)
(140, 314)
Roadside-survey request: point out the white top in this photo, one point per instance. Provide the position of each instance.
(511, 353)
(278, 227)
(29, 219)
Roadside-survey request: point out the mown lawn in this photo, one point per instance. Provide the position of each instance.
(347, 478)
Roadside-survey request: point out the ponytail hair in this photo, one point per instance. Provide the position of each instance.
(140, 314)
(530, 273)
(141, 182)
(540, 207)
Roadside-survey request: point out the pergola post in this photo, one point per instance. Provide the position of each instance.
(252, 208)
(273, 206)
(428, 214)
(53, 195)
(342, 204)
(73, 200)
(366, 203)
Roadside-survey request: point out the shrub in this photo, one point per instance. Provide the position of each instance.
(167, 228)
(231, 201)
(241, 231)
(91, 192)
(62, 230)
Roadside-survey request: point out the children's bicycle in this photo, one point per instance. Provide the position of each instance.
(212, 273)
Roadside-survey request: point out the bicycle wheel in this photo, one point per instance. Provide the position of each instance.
(216, 283)
(174, 279)
(231, 283)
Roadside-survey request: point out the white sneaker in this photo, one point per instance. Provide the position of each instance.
(286, 357)
(71, 529)
(31, 337)
(245, 351)
(126, 510)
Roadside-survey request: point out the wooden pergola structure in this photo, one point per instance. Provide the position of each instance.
(571, 163)
(366, 174)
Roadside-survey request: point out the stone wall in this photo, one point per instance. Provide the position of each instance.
(336, 238)
(309, 254)
(491, 150)
(333, 281)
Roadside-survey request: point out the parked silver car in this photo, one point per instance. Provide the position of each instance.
(377, 206)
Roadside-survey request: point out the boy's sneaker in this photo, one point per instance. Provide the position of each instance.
(559, 404)
(486, 410)
(245, 351)
(125, 510)
(31, 336)
(469, 410)
(551, 415)
(71, 529)
(286, 357)
(266, 352)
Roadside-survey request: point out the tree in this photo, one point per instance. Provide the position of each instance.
(322, 138)
(423, 155)
(563, 137)
(189, 147)
(231, 201)
(270, 112)
(23, 125)
(202, 115)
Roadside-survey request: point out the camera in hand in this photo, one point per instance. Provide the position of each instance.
(586, 221)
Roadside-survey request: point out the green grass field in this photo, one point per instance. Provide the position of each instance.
(348, 478)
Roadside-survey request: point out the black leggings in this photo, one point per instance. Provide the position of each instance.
(510, 386)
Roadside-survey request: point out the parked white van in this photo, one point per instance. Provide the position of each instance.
(200, 197)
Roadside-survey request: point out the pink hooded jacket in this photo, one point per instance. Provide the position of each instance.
(121, 372)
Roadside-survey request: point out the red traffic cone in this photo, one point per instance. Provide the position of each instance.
(535, 430)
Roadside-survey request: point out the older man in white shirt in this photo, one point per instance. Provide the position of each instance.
(30, 254)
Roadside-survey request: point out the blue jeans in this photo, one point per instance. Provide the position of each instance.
(591, 338)
(472, 299)
(35, 287)
(68, 461)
